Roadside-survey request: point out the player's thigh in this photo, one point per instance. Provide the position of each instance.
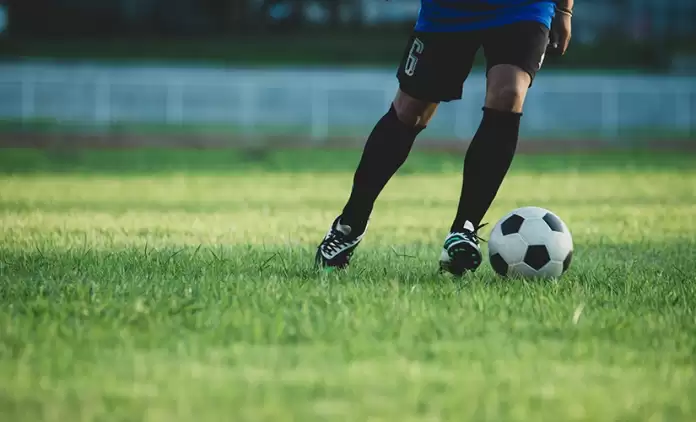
(522, 44)
(514, 54)
(435, 65)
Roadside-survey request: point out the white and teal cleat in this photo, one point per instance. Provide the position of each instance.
(461, 252)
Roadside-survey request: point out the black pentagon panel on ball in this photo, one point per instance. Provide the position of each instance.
(567, 261)
(537, 256)
(512, 224)
(554, 222)
(499, 265)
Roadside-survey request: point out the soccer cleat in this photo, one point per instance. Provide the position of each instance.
(336, 249)
(461, 251)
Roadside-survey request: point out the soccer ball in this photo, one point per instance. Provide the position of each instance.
(530, 242)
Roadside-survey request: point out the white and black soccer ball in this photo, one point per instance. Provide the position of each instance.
(530, 242)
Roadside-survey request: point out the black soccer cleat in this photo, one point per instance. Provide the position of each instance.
(336, 249)
(461, 252)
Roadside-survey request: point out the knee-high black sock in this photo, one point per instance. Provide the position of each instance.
(385, 151)
(486, 163)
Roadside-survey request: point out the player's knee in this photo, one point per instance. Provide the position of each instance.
(505, 97)
(413, 112)
(405, 116)
(507, 87)
(410, 117)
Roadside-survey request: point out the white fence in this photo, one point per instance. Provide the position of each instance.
(320, 103)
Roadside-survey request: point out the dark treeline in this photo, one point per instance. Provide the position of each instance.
(175, 17)
(647, 34)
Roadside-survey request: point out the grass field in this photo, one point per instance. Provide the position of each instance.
(177, 286)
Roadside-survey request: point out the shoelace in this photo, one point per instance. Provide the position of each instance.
(475, 235)
(334, 241)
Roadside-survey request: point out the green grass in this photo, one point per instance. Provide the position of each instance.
(186, 293)
(140, 162)
(633, 136)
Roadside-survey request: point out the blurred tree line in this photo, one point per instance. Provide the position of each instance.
(645, 34)
(96, 18)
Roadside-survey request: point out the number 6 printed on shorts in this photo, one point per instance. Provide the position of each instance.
(416, 50)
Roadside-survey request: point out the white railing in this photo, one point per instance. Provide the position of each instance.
(322, 103)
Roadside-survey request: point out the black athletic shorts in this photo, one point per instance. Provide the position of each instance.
(436, 64)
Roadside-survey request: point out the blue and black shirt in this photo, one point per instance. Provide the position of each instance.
(472, 15)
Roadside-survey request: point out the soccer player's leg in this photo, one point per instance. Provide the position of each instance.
(423, 84)
(514, 53)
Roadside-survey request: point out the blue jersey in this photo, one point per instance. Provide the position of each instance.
(471, 15)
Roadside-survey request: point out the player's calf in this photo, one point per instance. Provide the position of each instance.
(386, 150)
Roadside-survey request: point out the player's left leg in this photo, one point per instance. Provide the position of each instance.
(385, 151)
(514, 54)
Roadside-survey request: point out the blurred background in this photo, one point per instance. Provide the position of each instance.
(258, 73)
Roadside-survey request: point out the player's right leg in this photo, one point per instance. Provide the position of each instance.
(514, 54)
(429, 73)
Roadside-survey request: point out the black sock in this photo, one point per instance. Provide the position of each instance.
(385, 151)
(487, 162)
